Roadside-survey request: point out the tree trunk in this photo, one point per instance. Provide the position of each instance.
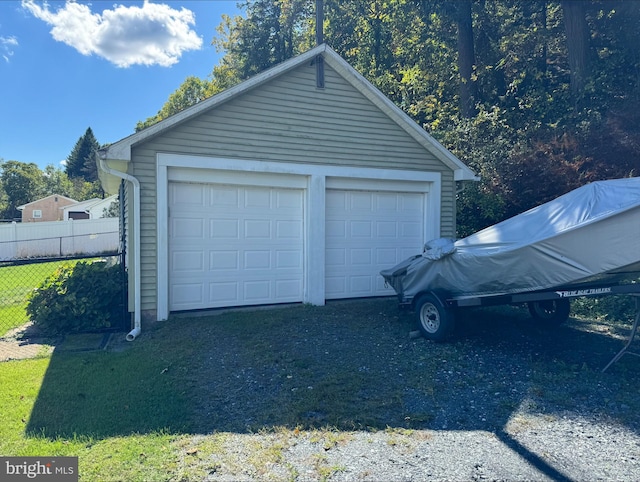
(466, 59)
(577, 32)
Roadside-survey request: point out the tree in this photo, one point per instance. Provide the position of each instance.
(22, 184)
(578, 49)
(466, 59)
(272, 32)
(113, 211)
(56, 181)
(192, 91)
(497, 81)
(81, 162)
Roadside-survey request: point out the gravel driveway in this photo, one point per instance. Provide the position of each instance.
(347, 392)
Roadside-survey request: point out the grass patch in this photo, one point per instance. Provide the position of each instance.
(232, 395)
(16, 282)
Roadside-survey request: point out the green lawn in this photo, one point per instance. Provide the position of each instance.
(15, 284)
(143, 456)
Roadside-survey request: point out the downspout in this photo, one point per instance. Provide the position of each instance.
(136, 242)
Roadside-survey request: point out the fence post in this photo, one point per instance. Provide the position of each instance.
(14, 239)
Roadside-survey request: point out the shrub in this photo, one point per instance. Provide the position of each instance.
(81, 298)
(619, 308)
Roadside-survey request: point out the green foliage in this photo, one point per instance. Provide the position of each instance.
(113, 211)
(22, 183)
(80, 298)
(539, 129)
(81, 163)
(56, 181)
(16, 282)
(192, 91)
(605, 308)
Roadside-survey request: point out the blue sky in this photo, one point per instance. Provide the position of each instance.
(66, 66)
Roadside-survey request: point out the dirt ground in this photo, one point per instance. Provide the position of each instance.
(27, 342)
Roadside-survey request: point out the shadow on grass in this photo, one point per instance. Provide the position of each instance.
(100, 394)
(348, 365)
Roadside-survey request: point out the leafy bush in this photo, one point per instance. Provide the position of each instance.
(81, 298)
(620, 308)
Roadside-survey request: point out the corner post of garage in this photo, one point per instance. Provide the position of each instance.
(162, 220)
(315, 240)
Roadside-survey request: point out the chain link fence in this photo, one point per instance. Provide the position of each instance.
(19, 338)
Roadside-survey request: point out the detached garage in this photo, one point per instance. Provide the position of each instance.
(297, 185)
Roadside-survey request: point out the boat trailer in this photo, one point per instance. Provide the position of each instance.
(435, 311)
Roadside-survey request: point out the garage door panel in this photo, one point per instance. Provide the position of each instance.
(188, 194)
(336, 228)
(360, 285)
(361, 201)
(410, 229)
(257, 197)
(223, 260)
(335, 286)
(387, 256)
(188, 261)
(224, 196)
(257, 260)
(288, 229)
(335, 257)
(386, 202)
(411, 203)
(361, 256)
(188, 228)
(361, 229)
(224, 228)
(184, 295)
(288, 200)
(257, 291)
(367, 231)
(224, 293)
(387, 229)
(288, 259)
(253, 245)
(257, 229)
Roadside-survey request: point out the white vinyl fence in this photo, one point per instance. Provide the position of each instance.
(58, 238)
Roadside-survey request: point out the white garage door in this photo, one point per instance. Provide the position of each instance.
(234, 245)
(366, 232)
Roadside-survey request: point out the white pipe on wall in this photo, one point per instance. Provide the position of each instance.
(137, 326)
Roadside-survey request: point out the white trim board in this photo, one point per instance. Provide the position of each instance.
(314, 179)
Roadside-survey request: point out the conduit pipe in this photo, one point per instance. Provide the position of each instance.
(137, 328)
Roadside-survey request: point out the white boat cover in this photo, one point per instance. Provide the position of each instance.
(588, 235)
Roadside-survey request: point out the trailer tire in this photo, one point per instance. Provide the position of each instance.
(435, 321)
(550, 313)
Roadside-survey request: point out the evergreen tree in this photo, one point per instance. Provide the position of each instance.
(81, 162)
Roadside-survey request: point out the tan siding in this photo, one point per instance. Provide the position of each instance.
(286, 120)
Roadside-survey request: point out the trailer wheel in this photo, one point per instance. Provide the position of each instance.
(550, 312)
(435, 321)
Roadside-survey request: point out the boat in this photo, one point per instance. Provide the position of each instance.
(571, 246)
(589, 234)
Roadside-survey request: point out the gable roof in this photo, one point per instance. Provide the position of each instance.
(20, 208)
(89, 203)
(121, 150)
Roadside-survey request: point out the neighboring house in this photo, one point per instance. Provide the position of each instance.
(90, 209)
(297, 185)
(45, 209)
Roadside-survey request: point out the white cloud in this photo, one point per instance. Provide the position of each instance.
(6, 46)
(153, 34)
